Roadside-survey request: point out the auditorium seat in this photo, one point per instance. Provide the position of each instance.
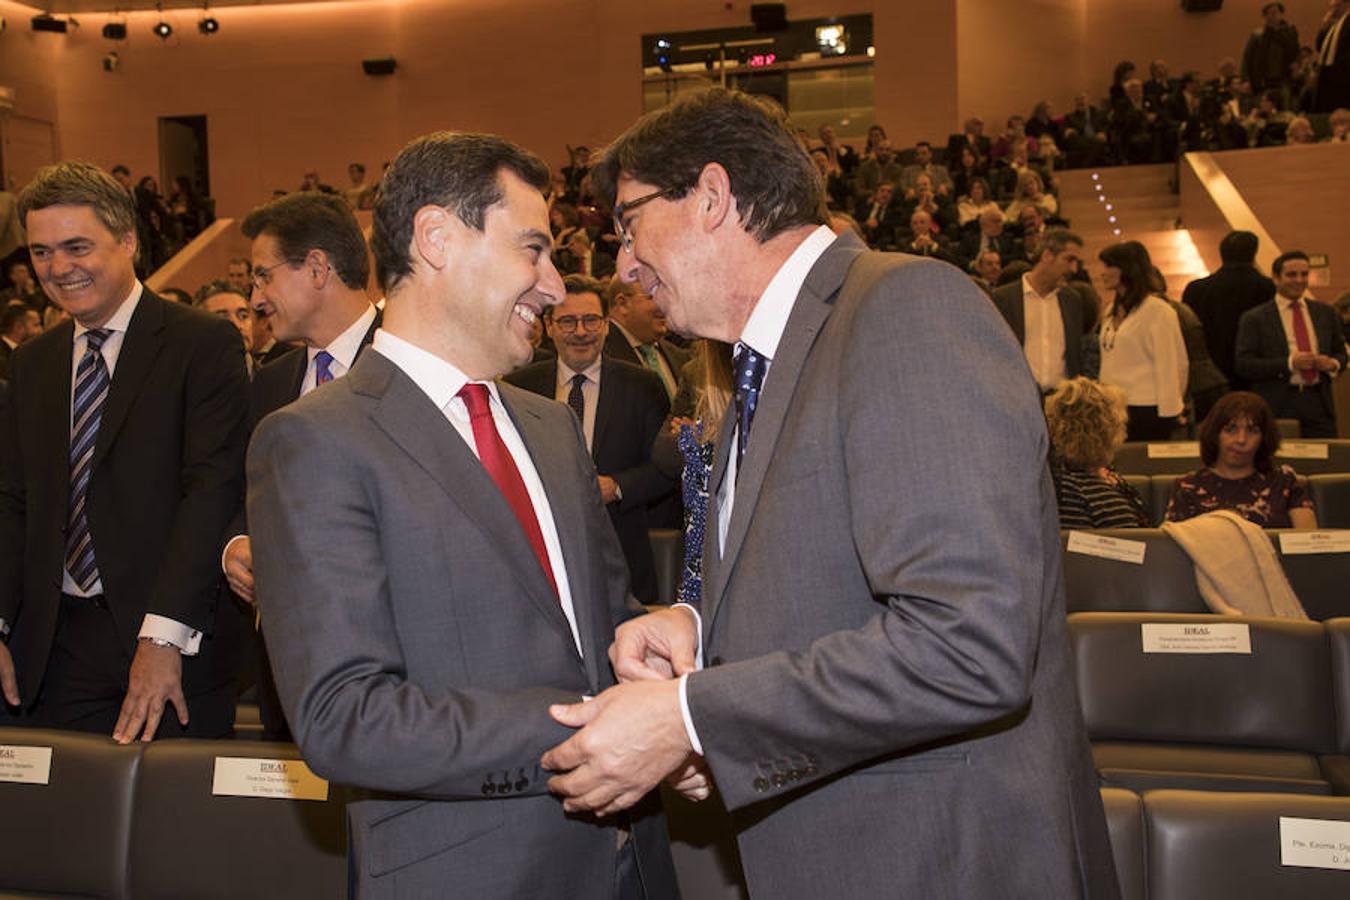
(1224, 721)
(1331, 499)
(1215, 846)
(188, 842)
(1125, 822)
(1337, 768)
(1134, 458)
(70, 836)
(668, 549)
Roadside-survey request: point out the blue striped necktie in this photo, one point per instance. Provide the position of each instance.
(91, 390)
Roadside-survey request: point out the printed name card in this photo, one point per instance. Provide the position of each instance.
(25, 765)
(284, 779)
(1314, 843)
(1107, 547)
(1174, 450)
(1298, 450)
(1295, 542)
(1197, 637)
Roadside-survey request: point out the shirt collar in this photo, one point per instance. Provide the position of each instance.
(345, 346)
(440, 380)
(592, 372)
(1029, 290)
(1286, 303)
(627, 335)
(768, 320)
(122, 318)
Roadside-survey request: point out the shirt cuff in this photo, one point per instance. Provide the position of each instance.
(688, 719)
(698, 626)
(187, 640)
(4, 629)
(226, 552)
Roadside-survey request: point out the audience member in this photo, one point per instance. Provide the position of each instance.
(1123, 72)
(882, 166)
(1238, 440)
(1271, 54)
(878, 215)
(840, 156)
(938, 176)
(638, 334)
(1204, 382)
(1031, 191)
(975, 201)
(23, 286)
(1141, 345)
(1300, 132)
(19, 323)
(239, 275)
(989, 235)
(986, 269)
(1290, 348)
(1086, 142)
(1086, 421)
(1219, 300)
(1159, 87)
(1138, 129)
(110, 577)
(837, 190)
(965, 171)
(223, 302)
(1050, 323)
(620, 408)
(925, 239)
(1332, 89)
(358, 194)
(1266, 125)
(972, 136)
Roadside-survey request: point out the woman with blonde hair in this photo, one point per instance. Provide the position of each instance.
(1086, 420)
(1030, 192)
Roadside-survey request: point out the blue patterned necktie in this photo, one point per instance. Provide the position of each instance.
(322, 374)
(91, 390)
(749, 369)
(576, 399)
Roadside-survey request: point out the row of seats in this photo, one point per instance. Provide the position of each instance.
(1180, 457)
(141, 821)
(1165, 581)
(1184, 710)
(1330, 493)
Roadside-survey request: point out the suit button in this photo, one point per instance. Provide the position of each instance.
(489, 788)
(715, 661)
(761, 784)
(809, 770)
(504, 787)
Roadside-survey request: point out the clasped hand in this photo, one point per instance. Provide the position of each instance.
(632, 736)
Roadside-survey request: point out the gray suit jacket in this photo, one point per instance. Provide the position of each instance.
(889, 707)
(417, 647)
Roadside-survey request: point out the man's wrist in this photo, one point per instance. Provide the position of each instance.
(160, 642)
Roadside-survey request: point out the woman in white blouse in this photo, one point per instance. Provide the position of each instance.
(1142, 349)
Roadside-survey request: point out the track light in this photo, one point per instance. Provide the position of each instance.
(163, 30)
(210, 25)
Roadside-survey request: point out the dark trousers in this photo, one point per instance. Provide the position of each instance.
(86, 681)
(1146, 425)
(1310, 406)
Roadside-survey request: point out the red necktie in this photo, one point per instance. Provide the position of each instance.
(1301, 340)
(497, 460)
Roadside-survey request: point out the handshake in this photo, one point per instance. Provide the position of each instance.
(633, 736)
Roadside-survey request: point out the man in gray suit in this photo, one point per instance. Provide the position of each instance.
(887, 704)
(433, 562)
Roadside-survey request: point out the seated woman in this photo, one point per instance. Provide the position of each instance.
(1087, 426)
(1238, 440)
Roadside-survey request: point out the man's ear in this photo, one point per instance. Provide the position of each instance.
(715, 201)
(433, 235)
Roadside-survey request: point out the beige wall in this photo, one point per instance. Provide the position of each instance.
(283, 90)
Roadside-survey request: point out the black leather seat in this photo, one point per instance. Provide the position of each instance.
(1331, 499)
(1215, 846)
(1125, 822)
(70, 836)
(1133, 458)
(1165, 582)
(188, 843)
(1221, 721)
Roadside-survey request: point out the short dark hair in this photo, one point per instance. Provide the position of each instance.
(1266, 8)
(456, 170)
(1240, 405)
(240, 261)
(213, 288)
(1056, 240)
(14, 311)
(358, 167)
(310, 220)
(80, 184)
(1239, 247)
(120, 169)
(775, 184)
(1278, 265)
(918, 144)
(584, 284)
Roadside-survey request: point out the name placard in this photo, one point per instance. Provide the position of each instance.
(281, 779)
(1303, 450)
(1198, 637)
(1121, 550)
(25, 765)
(1174, 450)
(1295, 542)
(1314, 843)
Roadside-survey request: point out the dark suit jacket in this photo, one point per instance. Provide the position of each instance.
(1007, 245)
(167, 475)
(1219, 301)
(415, 652)
(1263, 350)
(874, 679)
(617, 346)
(628, 417)
(5, 352)
(274, 353)
(1010, 302)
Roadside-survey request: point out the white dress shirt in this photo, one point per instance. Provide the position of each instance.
(442, 381)
(590, 394)
(1145, 356)
(1044, 342)
(1286, 308)
(763, 332)
(188, 640)
(343, 349)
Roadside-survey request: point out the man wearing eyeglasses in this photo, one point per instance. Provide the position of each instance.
(620, 408)
(310, 269)
(886, 697)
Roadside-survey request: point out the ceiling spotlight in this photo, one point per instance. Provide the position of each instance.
(209, 25)
(47, 22)
(163, 30)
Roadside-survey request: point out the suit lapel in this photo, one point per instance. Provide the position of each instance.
(1019, 314)
(809, 312)
(606, 402)
(140, 346)
(54, 382)
(1070, 315)
(567, 505)
(412, 422)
